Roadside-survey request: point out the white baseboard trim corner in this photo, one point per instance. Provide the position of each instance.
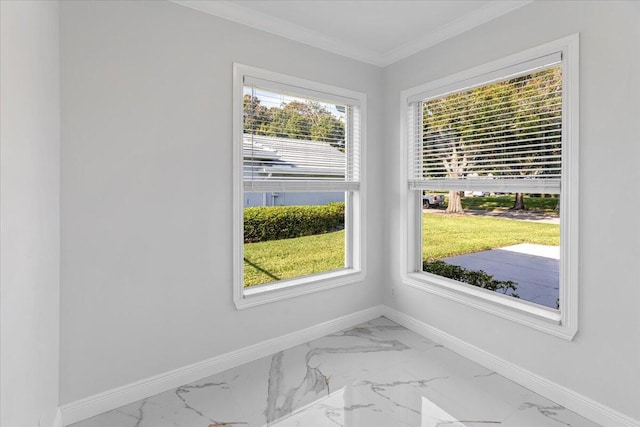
(570, 399)
(129, 393)
(57, 421)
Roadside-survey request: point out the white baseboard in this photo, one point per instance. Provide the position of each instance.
(571, 400)
(57, 421)
(112, 399)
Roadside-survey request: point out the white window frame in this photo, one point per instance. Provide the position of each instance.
(355, 202)
(563, 322)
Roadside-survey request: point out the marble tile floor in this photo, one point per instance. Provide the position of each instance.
(377, 374)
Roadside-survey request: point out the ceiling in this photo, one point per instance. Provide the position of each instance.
(377, 32)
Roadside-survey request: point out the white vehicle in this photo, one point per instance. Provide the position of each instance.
(476, 193)
(432, 200)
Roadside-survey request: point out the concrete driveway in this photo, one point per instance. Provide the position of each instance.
(535, 268)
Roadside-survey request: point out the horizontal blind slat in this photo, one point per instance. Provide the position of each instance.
(541, 150)
(294, 186)
(542, 186)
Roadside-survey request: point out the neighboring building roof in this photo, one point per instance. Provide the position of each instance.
(289, 159)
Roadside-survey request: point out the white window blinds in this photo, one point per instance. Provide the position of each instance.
(504, 134)
(298, 140)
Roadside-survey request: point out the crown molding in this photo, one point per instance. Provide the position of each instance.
(460, 25)
(280, 27)
(271, 24)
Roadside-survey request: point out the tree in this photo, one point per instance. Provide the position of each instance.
(445, 140)
(254, 114)
(455, 163)
(327, 128)
(518, 204)
(308, 120)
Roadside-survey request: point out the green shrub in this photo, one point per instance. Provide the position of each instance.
(286, 222)
(476, 278)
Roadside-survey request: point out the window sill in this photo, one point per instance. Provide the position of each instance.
(285, 289)
(535, 316)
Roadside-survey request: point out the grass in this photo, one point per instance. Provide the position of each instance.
(448, 235)
(266, 262)
(444, 236)
(490, 203)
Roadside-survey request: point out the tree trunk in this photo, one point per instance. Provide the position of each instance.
(455, 203)
(519, 203)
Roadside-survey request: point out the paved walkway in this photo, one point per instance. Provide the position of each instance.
(536, 269)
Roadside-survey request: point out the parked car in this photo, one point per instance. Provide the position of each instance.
(477, 194)
(432, 200)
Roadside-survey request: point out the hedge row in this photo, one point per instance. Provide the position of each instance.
(476, 278)
(286, 222)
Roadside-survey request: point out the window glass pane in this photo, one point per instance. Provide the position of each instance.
(287, 137)
(278, 114)
(499, 242)
(508, 130)
(288, 235)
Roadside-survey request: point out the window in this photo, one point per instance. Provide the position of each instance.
(491, 187)
(298, 193)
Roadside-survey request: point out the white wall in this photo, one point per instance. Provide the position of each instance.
(602, 362)
(29, 212)
(146, 191)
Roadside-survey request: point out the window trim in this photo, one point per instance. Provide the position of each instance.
(355, 213)
(562, 323)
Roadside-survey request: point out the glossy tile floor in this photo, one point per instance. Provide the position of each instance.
(375, 374)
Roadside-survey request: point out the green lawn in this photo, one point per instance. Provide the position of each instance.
(489, 203)
(444, 236)
(272, 260)
(447, 235)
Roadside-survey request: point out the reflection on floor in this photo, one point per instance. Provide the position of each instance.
(376, 374)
